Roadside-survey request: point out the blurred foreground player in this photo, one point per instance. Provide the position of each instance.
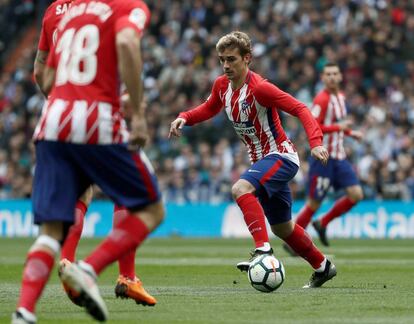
(81, 139)
(251, 104)
(329, 109)
(128, 284)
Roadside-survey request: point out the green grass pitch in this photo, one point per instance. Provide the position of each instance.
(195, 281)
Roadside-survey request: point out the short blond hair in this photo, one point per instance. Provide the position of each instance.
(235, 39)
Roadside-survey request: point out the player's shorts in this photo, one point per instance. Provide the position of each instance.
(65, 170)
(270, 177)
(337, 173)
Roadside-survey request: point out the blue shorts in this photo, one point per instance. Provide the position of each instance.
(337, 173)
(270, 177)
(64, 171)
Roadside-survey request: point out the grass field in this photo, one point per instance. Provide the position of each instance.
(195, 281)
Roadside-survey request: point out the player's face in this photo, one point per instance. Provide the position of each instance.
(234, 65)
(332, 77)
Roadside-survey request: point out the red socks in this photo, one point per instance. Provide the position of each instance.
(124, 238)
(36, 273)
(126, 263)
(305, 216)
(341, 206)
(254, 217)
(75, 232)
(302, 244)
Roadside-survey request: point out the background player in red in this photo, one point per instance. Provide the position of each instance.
(81, 139)
(329, 109)
(251, 104)
(128, 284)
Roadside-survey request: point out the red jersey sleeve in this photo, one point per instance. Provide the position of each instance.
(51, 58)
(48, 24)
(206, 110)
(270, 96)
(43, 42)
(135, 15)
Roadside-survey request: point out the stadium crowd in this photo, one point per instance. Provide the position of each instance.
(372, 40)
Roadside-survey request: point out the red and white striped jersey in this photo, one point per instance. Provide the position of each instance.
(50, 22)
(253, 111)
(83, 106)
(329, 109)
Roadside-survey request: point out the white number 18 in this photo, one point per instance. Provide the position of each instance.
(78, 62)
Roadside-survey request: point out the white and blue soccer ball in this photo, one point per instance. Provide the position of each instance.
(266, 273)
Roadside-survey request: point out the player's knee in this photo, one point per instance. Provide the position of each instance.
(283, 230)
(152, 215)
(240, 188)
(87, 196)
(313, 204)
(356, 194)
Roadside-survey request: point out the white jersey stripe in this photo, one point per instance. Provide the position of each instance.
(53, 119)
(105, 123)
(79, 122)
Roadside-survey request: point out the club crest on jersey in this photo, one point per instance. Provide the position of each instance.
(244, 110)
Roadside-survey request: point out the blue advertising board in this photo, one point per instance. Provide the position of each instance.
(369, 219)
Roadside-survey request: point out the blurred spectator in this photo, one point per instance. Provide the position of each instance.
(372, 41)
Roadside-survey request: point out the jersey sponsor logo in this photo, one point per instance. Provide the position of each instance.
(138, 18)
(244, 128)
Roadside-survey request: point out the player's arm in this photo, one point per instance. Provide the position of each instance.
(128, 47)
(205, 111)
(39, 70)
(128, 31)
(268, 95)
(48, 79)
(130, 66)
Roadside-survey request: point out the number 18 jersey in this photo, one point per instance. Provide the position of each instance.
(83, 106)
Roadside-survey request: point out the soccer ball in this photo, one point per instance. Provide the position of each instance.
(266, 273)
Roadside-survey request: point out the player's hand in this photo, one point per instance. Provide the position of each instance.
(358, 135)
(138, 136)
(320, 153)
(176, 126)
(345, 124)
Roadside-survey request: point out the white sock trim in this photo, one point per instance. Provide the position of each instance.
(48, 241)
(266, 247)
(322, 267)
(29, 316)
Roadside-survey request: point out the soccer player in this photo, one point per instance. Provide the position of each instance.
(330, 111)
(82, 139)
(251, 104)
(128, 284)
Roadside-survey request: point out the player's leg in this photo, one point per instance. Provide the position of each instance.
(319, 181)
(244, 194)
(53, 209)
(128, 178)
(278, 212)
(128, 284)
(38, 266)
(306, 213)
(303, 219)
(300, 241)
(263, 178)
(75, 231)
(345, 178)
